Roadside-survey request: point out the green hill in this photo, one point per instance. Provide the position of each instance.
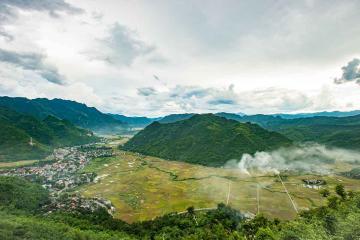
(331, 131)
(204, 139)
(16, 131)
(77, 113)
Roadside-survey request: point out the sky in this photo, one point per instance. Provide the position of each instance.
(158, 57)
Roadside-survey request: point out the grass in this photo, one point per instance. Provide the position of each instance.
(142, 187)
(17, 164)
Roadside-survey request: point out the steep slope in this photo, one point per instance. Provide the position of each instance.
(77, 113)
(17, 131)
(204, 139)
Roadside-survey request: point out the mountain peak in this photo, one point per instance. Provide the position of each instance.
(204, 139)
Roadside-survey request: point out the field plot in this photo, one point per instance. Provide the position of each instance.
(17, 163)
(142, 187)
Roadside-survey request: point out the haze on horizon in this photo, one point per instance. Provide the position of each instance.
(159, 57)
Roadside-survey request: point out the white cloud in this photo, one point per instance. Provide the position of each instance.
(278, 55)
(33, 62)
(9, 10)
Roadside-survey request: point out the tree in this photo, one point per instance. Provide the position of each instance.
(333, 202)
(265, 234)
(191, 210)
(340, 190)
(325, 192)
(330, 224)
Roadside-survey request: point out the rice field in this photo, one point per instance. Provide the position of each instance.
(143, 187)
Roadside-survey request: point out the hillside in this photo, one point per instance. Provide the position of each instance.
(77, 113)
(331, 131)
(204, 139)
(17, 129)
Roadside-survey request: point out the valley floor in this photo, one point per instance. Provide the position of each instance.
(142, 187)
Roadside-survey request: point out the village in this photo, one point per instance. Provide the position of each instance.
(61, 172)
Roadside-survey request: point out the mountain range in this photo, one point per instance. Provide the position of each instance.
(25, 137)
(336, 128)
(342, 131)
(77, 113)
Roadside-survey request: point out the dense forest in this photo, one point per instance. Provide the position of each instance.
(77, 113)
(204, 139)
(25, 137)
(331, 131)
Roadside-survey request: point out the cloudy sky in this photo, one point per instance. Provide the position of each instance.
(159, 57)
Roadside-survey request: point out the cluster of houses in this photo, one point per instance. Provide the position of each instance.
(313, 183)
(61, 172)
(74, 202)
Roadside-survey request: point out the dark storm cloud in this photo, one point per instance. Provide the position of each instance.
(33, 62)
(351, 72)
(8, 10)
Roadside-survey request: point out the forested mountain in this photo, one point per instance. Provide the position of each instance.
(204, 139)
(77, 113)
(25, 137)
(332, 131)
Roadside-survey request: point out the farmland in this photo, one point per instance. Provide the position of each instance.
(17, 163)
(142, 187)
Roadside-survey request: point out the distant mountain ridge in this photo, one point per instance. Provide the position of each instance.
(204, 139)
(337, 131)
(77, 113)
(318, 114)
(331, 131)
(25, 137)
(134, 121)
(176, 117)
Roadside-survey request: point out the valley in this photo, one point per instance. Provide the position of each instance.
(143, 187)
(179, 120)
